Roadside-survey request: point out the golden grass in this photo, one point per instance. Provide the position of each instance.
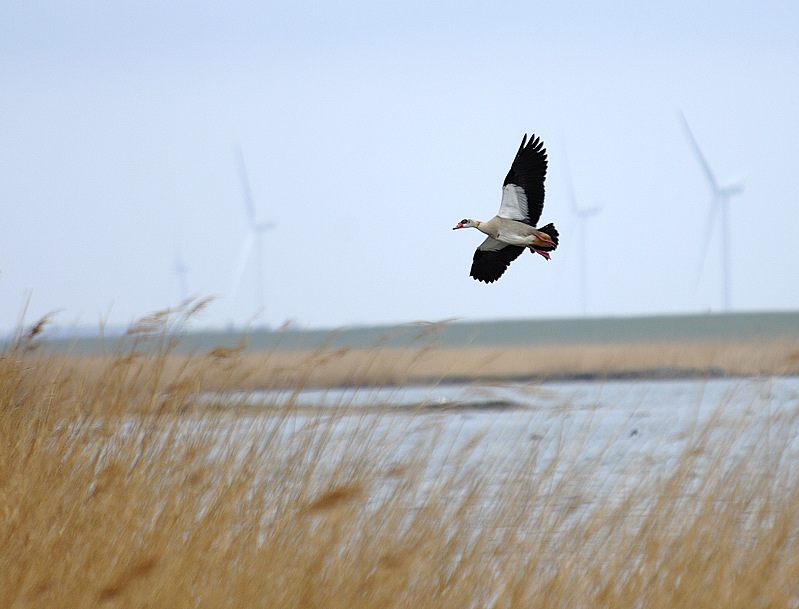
(119, 489)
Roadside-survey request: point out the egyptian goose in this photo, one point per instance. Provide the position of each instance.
(513, 228)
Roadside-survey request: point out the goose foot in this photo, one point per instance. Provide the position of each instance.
(543, 253)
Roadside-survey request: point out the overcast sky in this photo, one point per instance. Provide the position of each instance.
(368, 130)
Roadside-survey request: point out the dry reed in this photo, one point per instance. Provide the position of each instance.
(384, 366)
(398, 366)
(119, 488)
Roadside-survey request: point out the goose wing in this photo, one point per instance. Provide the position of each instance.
(492, 258)
(523, 190)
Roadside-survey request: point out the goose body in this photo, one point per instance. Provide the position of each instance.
(513, 228)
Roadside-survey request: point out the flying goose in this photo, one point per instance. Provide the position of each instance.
(513, 228)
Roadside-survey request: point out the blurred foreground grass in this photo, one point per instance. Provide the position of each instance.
(118, 489)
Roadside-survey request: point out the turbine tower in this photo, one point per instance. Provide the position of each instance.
(252, 246)
(581, 214)
(720, 203)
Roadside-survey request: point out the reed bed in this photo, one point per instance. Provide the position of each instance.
(398, 366)
(119, 487)
(429, 363)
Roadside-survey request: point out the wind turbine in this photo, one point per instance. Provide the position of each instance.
(721, 194)
(581, 214)
(252, 246)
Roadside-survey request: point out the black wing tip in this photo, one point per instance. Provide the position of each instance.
(529, 165)
(533, 144)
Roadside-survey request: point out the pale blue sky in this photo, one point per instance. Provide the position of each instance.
(369, 129)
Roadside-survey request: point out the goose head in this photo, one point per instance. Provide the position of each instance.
(466, 223)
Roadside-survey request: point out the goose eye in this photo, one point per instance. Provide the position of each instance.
(465, 221)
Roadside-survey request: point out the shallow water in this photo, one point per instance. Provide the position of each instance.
(624, 394)
(619, 429)
(580, 445)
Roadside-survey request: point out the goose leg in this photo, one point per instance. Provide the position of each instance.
(543, 253)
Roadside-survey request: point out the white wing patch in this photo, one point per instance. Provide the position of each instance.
(491, 245)
(514, 203)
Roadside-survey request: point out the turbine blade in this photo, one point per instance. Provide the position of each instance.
(702, 160)
(262, 227)
(246, 249)
(258, 257)
(711, 220)
(589, 211)
(245, 189)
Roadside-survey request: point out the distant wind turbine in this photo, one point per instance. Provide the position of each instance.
(252, 246)
(721, 194)
(581, 214)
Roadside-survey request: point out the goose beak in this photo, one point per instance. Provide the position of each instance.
(458, 225)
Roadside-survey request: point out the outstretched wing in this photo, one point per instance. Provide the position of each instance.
(492, 258)
(523, 190)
